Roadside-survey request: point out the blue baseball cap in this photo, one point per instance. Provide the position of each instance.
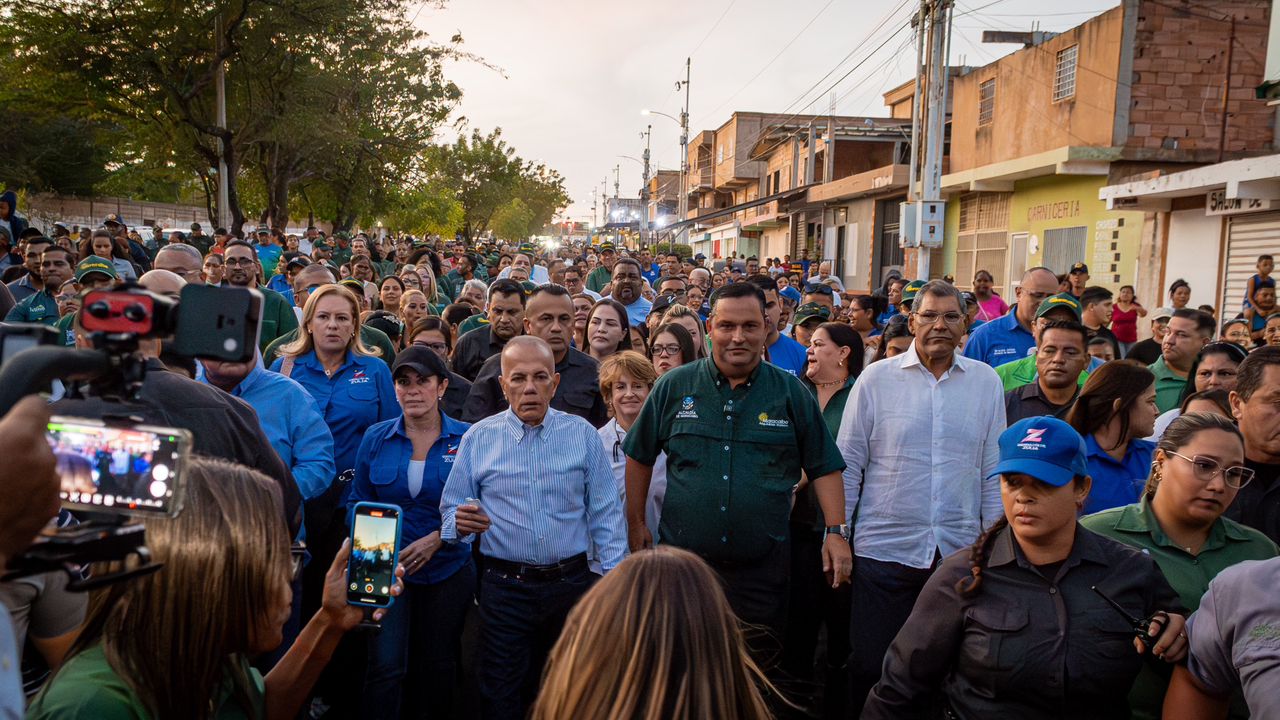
(1045, 448)
(791, 294)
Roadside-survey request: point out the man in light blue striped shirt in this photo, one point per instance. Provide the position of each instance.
(535, 483)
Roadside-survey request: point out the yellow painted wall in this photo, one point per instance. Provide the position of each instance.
(1062, 201)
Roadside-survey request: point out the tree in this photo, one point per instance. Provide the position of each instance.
(513, 221)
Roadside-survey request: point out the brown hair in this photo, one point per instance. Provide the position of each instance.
(178, 635)
(654, 639)
(626, 362)
(1122, 380)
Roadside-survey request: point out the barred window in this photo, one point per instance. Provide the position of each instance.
(986, 102)
(1064, 74)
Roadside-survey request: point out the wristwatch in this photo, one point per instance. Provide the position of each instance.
(841, 530)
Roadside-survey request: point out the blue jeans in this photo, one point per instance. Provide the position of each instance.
(520, 622)
(413, 659)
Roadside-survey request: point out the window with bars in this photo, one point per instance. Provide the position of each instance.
(1064, 73)
(987, 102)
(982, 242)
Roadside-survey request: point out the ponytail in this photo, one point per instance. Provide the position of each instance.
(978, 554)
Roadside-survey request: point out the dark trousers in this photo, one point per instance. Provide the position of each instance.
(814, 604)
(520, 622)
(413, 658)
(757, 592)
(883, 595)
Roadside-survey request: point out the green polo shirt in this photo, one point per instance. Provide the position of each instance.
(1228, 543)
(67, 330)
(598, 278)
(1020, 372)
(88, 688)
(38, 308)
(733, 456)
(1169, 387)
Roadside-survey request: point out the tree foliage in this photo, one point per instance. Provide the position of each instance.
(338, 99)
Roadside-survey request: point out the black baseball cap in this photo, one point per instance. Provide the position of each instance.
(421, 359)
(1079, 268)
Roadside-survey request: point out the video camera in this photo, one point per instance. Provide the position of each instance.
(114, 468)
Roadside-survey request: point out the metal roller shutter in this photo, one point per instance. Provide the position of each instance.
(1248, 236)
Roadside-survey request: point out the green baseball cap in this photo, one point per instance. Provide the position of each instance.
(811, 311)
(909, 292)
(96, 264)
(1061, 300)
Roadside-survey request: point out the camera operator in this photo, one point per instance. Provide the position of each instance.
(175, 644)
(28, 499)
(222, 426)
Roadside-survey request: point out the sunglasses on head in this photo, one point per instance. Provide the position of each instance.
(818, 288)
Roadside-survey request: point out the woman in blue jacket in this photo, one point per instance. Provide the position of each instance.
(405, 461)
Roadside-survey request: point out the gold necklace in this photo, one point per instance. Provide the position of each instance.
(828, 384)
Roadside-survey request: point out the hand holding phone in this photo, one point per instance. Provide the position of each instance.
(334, 602)
(375, 551)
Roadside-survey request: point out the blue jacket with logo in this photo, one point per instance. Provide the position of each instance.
(359, 395)
(382, 476)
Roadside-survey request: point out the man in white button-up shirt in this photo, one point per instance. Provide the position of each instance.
(919, 436)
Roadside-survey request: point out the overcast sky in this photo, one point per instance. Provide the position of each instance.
(575, 74)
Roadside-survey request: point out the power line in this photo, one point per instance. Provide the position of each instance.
(773, 60)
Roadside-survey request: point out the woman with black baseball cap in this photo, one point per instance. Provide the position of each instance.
(405, 461)
(1013, 627)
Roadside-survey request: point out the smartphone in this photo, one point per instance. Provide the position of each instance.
(375, 550)
(119, 470)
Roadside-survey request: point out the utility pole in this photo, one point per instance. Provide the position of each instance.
(645, 228)
(617, 177)
(220, 85)
(684, 153)
(922, 215)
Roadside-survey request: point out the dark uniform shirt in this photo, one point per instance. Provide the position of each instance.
(1029, 401)
(221, 426)
(578, 392)
(1025, 645)
(1144, 351)
(733, 456)
(473, 349)
(455, 396)
(1257, 504)
(1106, 334)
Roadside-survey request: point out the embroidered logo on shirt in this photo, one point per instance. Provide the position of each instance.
(358, 377)
(686, 409)
(765, 421)
(451, 453)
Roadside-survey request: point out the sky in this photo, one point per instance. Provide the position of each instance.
(574, 75)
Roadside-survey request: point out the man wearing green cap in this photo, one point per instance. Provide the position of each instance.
(1060, 307)
(807, 319)
(909, 295)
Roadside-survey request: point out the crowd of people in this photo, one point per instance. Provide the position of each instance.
(639, 484)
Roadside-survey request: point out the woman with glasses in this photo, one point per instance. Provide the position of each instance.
(625, 381)
(672, 347)
(1197, 470)
(1115, 410)
(435, 334)
(405, 461)
(691, 321)
(1213, 369)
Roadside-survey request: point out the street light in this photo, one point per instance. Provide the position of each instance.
(683, 122)
(672, 118)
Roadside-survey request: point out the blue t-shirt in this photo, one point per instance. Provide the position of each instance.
(1000, 341)
(788, 355)
(1116, 483)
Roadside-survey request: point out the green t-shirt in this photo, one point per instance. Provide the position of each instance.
(1169, 386)
(598, 278)
(1022, 371)
(733, 456)
(1228, 543)
(88, 688)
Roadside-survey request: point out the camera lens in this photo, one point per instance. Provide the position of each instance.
(100, 309)
(135, 312)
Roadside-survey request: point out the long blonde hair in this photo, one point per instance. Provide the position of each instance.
(679, 311)
(655, 639)
(305, 344)
(175, 636)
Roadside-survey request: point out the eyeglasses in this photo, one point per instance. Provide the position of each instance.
(434, 347)
(818, 288)
(929, 318)
(664, 350)
(1206, 469)
(232, 262)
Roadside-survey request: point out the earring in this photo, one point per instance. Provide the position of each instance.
(840, 364)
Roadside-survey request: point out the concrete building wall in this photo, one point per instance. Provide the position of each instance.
(1026, 120)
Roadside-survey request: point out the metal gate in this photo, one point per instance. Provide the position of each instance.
(1248, 236)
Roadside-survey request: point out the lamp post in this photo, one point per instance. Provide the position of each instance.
(683, 122)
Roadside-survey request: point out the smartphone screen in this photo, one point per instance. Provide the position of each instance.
(131, 471)
(375, 539)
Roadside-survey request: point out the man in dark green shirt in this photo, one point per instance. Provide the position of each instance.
(56, 267)
(737, 432)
